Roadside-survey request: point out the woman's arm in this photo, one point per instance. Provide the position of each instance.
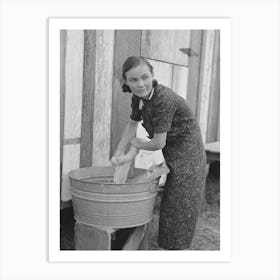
(157, 142)
(128, 134)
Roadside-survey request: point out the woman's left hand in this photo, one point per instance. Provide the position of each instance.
(137, 143)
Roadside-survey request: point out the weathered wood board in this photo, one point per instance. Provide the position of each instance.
(205, 80)
(88, 98)
(73, 83)
(180, 80)
(214, 99)
(103, 97)
(71, 160)
(162, 72)
(194, 70)
(165, 45)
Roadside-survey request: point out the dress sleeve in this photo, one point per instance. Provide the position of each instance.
(163, 114)
(135, 111)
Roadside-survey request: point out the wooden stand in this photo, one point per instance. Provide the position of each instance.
(97, 238)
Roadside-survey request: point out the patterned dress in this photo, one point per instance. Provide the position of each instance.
(185, 156)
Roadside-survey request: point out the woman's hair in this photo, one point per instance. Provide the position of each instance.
(131, 62)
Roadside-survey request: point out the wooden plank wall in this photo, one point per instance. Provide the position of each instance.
(194, 70)
(94, 110)
(86, 100)
(74, 59)
(208, 93)
(213, 123)
(103, 98)
(164, 45)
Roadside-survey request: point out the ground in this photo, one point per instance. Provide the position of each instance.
(207, 233)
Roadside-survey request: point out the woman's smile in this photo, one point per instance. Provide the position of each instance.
(140, 80)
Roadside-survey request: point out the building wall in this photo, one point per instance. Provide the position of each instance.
(94, 110)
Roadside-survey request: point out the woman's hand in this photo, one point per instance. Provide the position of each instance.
(115, 160)
(121, 159)
(137, 143)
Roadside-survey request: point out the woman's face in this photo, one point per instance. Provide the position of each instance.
(140, 80)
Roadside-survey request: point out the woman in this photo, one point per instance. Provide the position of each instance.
(172, 128)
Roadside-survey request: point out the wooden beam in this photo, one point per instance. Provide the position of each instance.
(73, 83)
(214, 102)
(103, 97)
(135, 239)
(205, 80)
(88, 98)
(194, 70)
(63, 34)
(91, 238)
(71, 160)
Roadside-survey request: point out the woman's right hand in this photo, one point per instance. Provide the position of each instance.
(115, 158)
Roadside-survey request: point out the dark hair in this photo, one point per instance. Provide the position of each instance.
(131, 62)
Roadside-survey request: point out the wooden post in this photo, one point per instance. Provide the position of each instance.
(88, 98)
(97, 238)
(103, 97)
(194, 70)
(205, 80)
(92, 238)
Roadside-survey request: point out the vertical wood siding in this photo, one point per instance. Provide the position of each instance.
(163, 72)
(194, 70)
(88, 98)
(73, 83)
(214, 99)
(63, 34)
(94, 110)
(180, 80)
(164, 45)
(205, 80)
(71, 160)
(103, 97)
(73, 106)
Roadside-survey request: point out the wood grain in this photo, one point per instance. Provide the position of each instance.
(180, 80)
(91, 238)
(63, 34)
(214, 102)
(103, 97)
(163, 72)
(205, 80)
(88, 98)
(71, 160)
(164, 45)
(73, 83)
(194, 71)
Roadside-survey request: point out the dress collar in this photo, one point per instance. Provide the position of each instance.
(151, 94)
(142, 100)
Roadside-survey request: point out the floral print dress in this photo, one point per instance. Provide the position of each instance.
(185, 156)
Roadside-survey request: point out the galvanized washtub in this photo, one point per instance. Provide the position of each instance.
(97, 201)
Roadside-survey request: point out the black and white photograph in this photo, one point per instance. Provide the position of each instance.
(140, 139)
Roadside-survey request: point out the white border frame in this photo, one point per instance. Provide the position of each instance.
(55, 254)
